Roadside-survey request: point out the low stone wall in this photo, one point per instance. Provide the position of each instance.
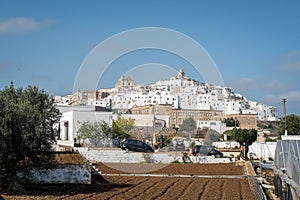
(120, 156)
(64, 173)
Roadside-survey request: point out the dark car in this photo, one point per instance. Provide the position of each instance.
(205, 150)
(136, 145)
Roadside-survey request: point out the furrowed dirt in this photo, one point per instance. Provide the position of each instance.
(148, 187)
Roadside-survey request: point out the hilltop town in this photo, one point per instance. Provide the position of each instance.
(180, 92)
(165, 102)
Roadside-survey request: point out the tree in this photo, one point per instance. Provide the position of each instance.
(291, 123)
(211, 136)
(117, 132)
(96, 133)
(100, 133)
(188, 125)
(245, 137)
(125, 124)
(27, 119)
(231, 122)
(228, 133)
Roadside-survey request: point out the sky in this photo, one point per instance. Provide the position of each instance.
(255, 45)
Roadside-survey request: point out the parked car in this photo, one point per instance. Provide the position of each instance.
(136, 145)
(205, 150)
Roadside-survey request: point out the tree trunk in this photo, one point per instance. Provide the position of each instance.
(246, 150)
(15, 187)
(11, 171)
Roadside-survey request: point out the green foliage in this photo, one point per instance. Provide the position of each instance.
(96, 133)
(211, 136)
(245, 137)
(268, 139)
(188, 125)
(167, 141)
(291, 123)
(231, 122)
(125, 124)
(27, 119)
(118, 132)
(105, 128)
(228, 132)
(182, 134)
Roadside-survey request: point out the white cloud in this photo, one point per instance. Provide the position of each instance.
(275, 85)
(290, 62)
(250, 84)
(293, 99)
(20, 25)
(291, 96)
(244, 84)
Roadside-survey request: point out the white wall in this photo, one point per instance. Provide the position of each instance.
(79, 174)
(145, 120)
(120, 156)
(214, 125)
(74, 118)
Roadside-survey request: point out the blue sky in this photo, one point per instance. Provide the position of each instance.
(255, 44)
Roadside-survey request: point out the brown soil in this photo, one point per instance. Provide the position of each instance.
(133, 187)
(178, 168)
(59, 158)
(146, 187)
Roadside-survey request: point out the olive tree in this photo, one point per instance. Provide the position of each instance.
(100, 133)
(94, 133)
(27, 119)
(291, 123)
(245, 137)
(124, 124)
(188, 126)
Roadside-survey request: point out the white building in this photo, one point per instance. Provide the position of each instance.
(179, 91)
(232, 107)
(72, 118)
(212, 125)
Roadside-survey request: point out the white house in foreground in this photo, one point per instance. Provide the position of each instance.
(73, 116)
(71, 119)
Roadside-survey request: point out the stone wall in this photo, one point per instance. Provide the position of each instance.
(59, 174)
(120, 156)
(247, 121)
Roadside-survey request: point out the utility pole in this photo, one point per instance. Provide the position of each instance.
(284, 114)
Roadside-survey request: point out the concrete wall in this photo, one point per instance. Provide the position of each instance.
(226, 144)
(60, 174)
(120, 156)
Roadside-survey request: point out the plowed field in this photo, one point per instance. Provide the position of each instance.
(148, 187)
(186, 169)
